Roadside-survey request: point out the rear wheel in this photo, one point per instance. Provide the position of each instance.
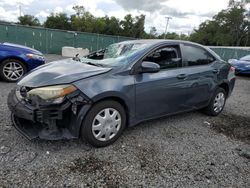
(217, 103)
(12, 70)
(104, 123)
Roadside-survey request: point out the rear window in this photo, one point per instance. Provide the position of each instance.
(194, 56)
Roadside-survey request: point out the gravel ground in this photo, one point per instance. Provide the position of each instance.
(187, 150)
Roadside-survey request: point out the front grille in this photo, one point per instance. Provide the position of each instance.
(48, 114)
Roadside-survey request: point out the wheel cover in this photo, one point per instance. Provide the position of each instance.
(219, 102)
(106, 124)
(13, 71)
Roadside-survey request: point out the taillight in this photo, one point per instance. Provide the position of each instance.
(232, 69)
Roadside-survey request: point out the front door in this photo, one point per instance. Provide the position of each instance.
(163, 92)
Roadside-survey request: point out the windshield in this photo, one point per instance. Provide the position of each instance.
(120, 49)
(115, 54)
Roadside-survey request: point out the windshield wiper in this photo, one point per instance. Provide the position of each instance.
(76, 58)
(94, 64)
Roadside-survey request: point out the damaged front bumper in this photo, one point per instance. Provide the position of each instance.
(49, 122)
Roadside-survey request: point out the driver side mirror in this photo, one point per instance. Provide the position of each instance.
(149, 67)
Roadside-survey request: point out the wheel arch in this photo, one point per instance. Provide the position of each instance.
(17, 58)
(99, 98)
(118, 99)
(225, 86)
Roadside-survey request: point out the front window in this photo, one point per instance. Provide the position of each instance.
(115, 54)
(166, 57)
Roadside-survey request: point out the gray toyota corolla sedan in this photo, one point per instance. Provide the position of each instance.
(96, 97)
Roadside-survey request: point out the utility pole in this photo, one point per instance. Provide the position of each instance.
(20, 10)
(167, 18)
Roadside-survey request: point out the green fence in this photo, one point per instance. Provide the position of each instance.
(52, 40)
(227, 53)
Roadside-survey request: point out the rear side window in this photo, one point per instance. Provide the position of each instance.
(194, 56)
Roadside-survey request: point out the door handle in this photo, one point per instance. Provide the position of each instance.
(182, 76)
(216, 71)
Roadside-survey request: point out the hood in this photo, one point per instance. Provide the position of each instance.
(60, 72)
(23, 48)
(240, 63)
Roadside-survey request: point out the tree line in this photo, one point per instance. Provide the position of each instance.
(84, 21)
(230, 27)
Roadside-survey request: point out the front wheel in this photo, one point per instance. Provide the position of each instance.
(11, 70)
(217, 103)
(104, 123)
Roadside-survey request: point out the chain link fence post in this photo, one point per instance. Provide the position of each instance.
(46, 41)
(97, 42)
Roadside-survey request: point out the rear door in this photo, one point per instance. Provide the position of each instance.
(201, 75)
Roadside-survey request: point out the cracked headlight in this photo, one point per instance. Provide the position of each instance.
(53, 94)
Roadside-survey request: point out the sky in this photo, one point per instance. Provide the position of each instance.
(186, 14)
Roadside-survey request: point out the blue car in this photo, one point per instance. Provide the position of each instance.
(17, 60)
(242, 66)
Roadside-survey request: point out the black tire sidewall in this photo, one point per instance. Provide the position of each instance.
(2, 76)
(86, 129)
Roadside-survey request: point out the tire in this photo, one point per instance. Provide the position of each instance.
(111, 120)
(211, 110)
(11, 70)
